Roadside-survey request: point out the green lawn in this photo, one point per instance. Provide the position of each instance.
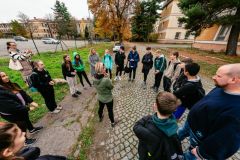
(53, 63)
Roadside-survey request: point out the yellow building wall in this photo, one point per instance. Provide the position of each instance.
(208, 34)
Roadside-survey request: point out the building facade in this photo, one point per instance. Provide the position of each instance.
(169, 29)
(5, 28)
(214, 39)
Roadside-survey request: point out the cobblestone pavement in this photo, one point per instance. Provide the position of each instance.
(132, 102)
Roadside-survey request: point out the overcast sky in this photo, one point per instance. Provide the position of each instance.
(9, 9)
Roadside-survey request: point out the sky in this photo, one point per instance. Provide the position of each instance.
(9, 9)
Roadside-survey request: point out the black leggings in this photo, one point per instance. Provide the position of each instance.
(167, 84)
(119, 70)
(110, 72)
(134, 73)
(145, 74)
(85, 76)
(49, 97)
(158, 78)
(21, 119)
(109, 108)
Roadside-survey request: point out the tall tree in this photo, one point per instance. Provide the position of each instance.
(201, 14)
(24, 19)
(116, 13)
(62, 18)
(49, 20)
(17, 28)
(146, 15)
(73, 32)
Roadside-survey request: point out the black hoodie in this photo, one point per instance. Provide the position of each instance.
(41, 79)
(190, 92)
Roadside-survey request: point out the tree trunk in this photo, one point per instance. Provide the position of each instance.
(34, 43)
(233, 37)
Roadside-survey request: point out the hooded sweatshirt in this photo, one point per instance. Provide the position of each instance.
(104, 88)
(78, 66)
(107, 60)
(189, 92)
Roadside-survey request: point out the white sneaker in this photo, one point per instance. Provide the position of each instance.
(116, 78)
(56, 111)
(119, 78)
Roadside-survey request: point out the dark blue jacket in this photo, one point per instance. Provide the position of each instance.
(135, 57)
(215, 120)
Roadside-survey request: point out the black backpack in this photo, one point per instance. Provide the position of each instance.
(200, 90)
(170, 148)
(29, 80)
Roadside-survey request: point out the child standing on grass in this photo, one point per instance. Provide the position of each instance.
(108, 62)
(79, 67)
(69, 74)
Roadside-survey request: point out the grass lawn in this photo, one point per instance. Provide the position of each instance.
(53, 63)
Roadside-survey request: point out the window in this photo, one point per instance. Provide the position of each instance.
(187, 35)
(177, 35)
(222, 33)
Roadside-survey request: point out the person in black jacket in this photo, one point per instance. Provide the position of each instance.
(119, 61)
(156, 133)
(13, 102)
(69, 74)
(191, 90)
(12, 145)
(43, 82)
(147, 61)
(213, 124)
(182, 78)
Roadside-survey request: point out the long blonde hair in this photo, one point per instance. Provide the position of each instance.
(99, 67)
(91, 51)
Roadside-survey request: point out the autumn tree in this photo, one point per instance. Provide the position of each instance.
(1, 34)
(115, 14)
(30, 27)
(17, 28)
(201, 14)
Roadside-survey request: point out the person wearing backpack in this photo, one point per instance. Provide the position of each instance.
(160, 64)
(119, 61)
(191, 91)
(157, 133)
(108, 62)
(133, 59)
(147, 62)
(78, 65)
(172, 71)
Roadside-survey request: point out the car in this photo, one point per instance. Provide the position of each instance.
(116, 47)
(20, 38)
(106, 40)
(50, 41)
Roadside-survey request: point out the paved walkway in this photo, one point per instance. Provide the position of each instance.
(131, 104)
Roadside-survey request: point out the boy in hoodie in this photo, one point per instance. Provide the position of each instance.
(156, 131)
(160, 64)
(108, 62)
(191, 91)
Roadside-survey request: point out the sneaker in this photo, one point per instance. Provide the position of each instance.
(116, 78)
(55, 111)
(113, 124)
(129, 79)
(133, 80)
(29, 141)
(75, 95)
(35, 130)
(144, 86)
(156, 90)
(78, 92)
(59, 107)
(152, 87)
(119, 78)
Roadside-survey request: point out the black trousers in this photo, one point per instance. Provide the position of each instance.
(83, 73)
(167, 84)
(21, 119)
(134, 73)
(145, 74)
(109, 108)
(49, 97)
(119, 70)
(110, 72)
(158, 78)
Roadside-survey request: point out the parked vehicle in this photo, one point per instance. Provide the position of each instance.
(50, 41)
(20, 38)
(116, 47)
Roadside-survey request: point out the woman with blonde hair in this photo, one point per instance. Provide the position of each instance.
(104, 88)
(93, 59)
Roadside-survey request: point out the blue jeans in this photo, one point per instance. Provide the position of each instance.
(179, 112)
(184, 132)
